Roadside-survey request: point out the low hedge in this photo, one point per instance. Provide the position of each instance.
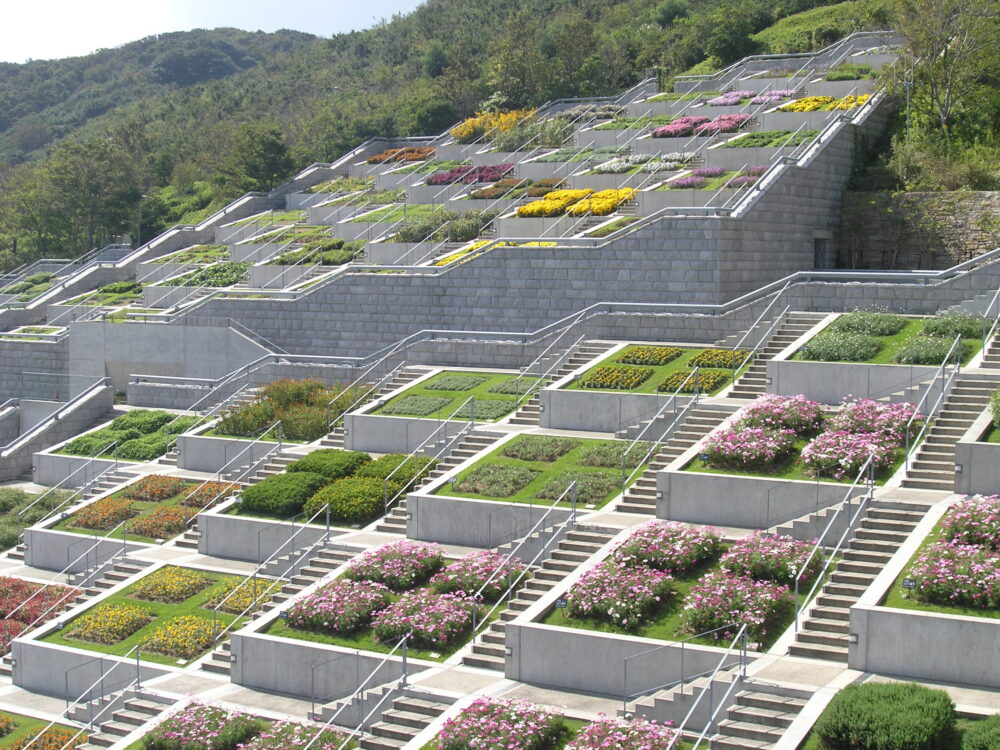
(983, 735)
(353, 499)
(283, 494)
(930, 350)
(383, 466)
(956, 324)
(870, 323)
(331, 463)
(841, 347)
(887, 716)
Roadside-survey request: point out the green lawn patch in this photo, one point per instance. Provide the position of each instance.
(276, 217)
(540, 482)
(892, 345)
(163, 613)
(398, 212)
(636, 123)
(660, 372)
(772, 139)
(27, 725)
(443, 396)
(200, 254)
(614, 226)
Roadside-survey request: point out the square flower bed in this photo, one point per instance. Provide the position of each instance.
(533, 468)
(156, 508)
(651, 369)
(443, 396)
(166, 613)
(24, 604)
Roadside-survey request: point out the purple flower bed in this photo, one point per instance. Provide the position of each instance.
(623, 734)
(771, 558)
(687, 183)
(499, 724)
(668, 546)
(469, 174)
(770, 97)
(400, 565)
(619, 594)
(469, 574)
(340, 607)
(755, 171)
(730, 98)
(287, 735)
(709, 172)
(974, 520)
(720, 599)
(866, 415)
(841, 454)
(957, 575)
(722, 124)
(735, 183)
(748, 447)
(795, 413)
(680, 127)
(435, 621)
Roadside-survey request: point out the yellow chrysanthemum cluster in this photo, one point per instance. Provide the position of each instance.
(468, 251)
(807, 104)
(486, 122)
(850, 102)
(111, 623)
(247, 593)
(185, 637)
(601, 203)
(170, 585)
(553, 204)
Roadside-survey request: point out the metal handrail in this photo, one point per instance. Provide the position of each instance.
(59, 484)
(98, 384)
(954, 349)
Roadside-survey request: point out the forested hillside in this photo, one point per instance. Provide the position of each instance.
(167, 128)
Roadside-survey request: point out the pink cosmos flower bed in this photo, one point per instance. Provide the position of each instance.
(669, 546)
(765, 557)
(400, 565)
(627, 734)
(623, 595)
(433, 620)
(720, 599)
(341, 607)
(471, 573)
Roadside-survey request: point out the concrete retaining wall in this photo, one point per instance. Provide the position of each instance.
(472, 523)
(64, 551)
(212, 454)
(979, 461)
(599, 411)
(252, 539)
(51, 469)
(827, 382)
(380, 434)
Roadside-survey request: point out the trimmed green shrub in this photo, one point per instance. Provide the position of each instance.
(454, 383)
(144, 448)
(983, 735)
(353, 499)
(929, 350)
(283, 494)
(305, 422)
(182, 424)
(591, 486)
(382, 467)
(887, 716)
(141, 420)
(331, 463)
(285, 392)
(539, 447)
(91, 443)
(841, 347)
(955, 324)
(870, 323)
(417, 406)
(496, 480)
(246, 420)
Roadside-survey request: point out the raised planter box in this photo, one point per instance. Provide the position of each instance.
(435, 193)
(249, 252)
(606, 138)
(977, 463)
(737, 158)
(827, 382)
(651, 108)
(301, 201)
(389, 180)
(150, 273)
(543, 170)
(513, 226)
(840, 89)
(598, 411)
(651, 201)
(53, 469)
(648, 145)
(198, 452)
(64, 551)
(361, 230)
(456, 151)
(277, 277)
(397, 253)
(330, 214)
(163, 297)
(595, 182)
(389, 434)
(805, 120)
(464, 205)
(486, 158)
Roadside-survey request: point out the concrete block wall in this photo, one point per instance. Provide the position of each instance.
(18, 357)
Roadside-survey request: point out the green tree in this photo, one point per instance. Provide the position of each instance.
(257, 158)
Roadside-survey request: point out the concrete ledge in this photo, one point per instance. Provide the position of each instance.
(979, 461)
(51, 469)
(162, 297)
(651, 201)
(277, 277)
(514, 226)
(599, 411)
(49, 549)
(829, 382)
(211, 454)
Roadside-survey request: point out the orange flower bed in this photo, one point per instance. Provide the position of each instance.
(153, 488)
(201, 497)
(408, 153)
(104, 514)
(162, 523)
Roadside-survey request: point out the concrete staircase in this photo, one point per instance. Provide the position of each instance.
(933, 467)
(823, 634)
(578, 546)
(335, 438)
(276, 463)
(753, 382)
(394, 521)
(319, 566)
(107, 482)
(409, 712)
(136, 709)
(758, 717)
(701, 420)
(189, 539)
(586, 352)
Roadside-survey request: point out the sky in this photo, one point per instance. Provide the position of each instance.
(68, 28)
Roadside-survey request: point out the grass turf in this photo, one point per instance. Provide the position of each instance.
(548, 470)
(25, 725)
(164, 612)
(891, 346)
(458, 398)
(660, 373)
(399, 212)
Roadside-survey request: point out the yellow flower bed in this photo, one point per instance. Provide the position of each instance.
(483, 243)
(601, 203)
(484, 122)
(553, 204)
(850, 102)
(248, 592)
(170, 585)
(111, 623)
(807, 104)
(185, 637)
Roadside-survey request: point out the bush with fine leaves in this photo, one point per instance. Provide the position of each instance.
(331, 462)
(841, 347)
(870, 323)
(353, 499)
(930, 350)
(283, 494)
(983, 735)
(955, 324)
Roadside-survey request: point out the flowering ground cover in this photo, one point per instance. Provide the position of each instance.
(180, 629)
(23, 603)
(453, 389)
(20, 730)
(152, 514)
(661, 369)
(956, 569)
(501, 476)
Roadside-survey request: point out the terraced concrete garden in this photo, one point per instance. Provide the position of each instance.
(883, 338)
(714, 178)
(444, 396)
(137, 435)
(198, 254)
(538, 469)
(32, 333)
(661, 369)
(167, 613)
(399, 212)
(110, 295)
(155, 508)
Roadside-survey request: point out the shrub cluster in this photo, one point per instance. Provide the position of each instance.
(138, 435)
(330, 462)
(538, 447)
(929, 350)
(870, 323)
(283, 494)
(352, 499)
(841, 347)
(496, 480)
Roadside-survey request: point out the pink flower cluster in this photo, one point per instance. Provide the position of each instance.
(730, 98)
(720, 599)
(795, 413)
(469, 174)
(709, 171)
(623, 595)
(623, 734)
(771, 558)
(287, 735)
(199, 726)
(680, 127)
(500, 724)
(841, 454)
(866, 415)
(668, 546)
(957, 575)
(433, 620)
(342, 606)
(974, 520)
(687, 183)
(399, 565)
(744, 448)
(769, 97)
(469, 574)
(722, 124)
